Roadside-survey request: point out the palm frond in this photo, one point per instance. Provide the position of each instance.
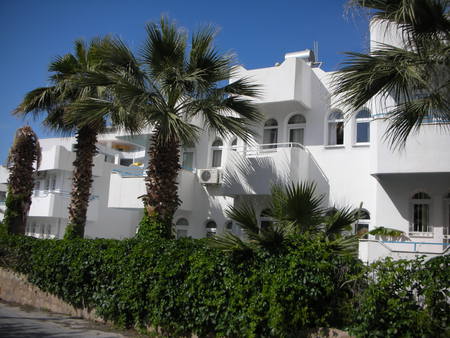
(245, 216)
(339, 221)
(298, 203)
(164, 49)
(229, 242)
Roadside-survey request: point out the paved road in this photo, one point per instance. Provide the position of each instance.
(24, 322)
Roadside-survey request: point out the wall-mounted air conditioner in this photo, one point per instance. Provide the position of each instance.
(209, 176)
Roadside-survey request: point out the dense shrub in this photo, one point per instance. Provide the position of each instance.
(183, 286)
(405, 299)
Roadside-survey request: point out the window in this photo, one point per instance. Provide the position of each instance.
(447, 220)
(234, 144)
(270, 134)
(363, 126)
(47, 184)
(335, 128)
(217, 153)
(363, 223)
(420, 204)
(265, 219)
(188, 156)
(37, 186)
(33, 228)
(211, 228)
(182, 227)
(229, 226)
(126, 162)
(53, 183)
(296, 128)
(49, 230)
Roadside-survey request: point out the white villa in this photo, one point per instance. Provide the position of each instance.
(304, 137)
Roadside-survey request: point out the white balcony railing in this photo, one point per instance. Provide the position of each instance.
(60, 193)
(258, 150)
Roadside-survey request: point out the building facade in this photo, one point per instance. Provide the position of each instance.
(304, 137)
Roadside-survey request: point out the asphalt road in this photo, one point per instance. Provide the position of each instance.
(24, 322)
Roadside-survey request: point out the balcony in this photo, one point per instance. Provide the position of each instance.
(289, 83)
(55, 204)
(253, 170)
(59, 158)
(127, 184)
(427, 151)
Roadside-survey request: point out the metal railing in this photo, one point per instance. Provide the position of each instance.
(62, 193)
(264, 149)
(444, 245)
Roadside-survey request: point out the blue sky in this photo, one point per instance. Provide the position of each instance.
(259, 32)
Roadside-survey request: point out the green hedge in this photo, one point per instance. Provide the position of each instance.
(405, 299)
(183, 286)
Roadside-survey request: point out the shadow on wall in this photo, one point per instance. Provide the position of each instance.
(256, 175)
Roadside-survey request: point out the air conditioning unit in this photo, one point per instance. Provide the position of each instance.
(209, 176)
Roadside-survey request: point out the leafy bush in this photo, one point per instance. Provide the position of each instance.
(406, 299)
(182, 287)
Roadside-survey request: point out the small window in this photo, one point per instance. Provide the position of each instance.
(265, 219)
(181, 233)
(182, 222)
(216, 148)
(188, 156)
(363, 126)
(270, 134)
(53, 183)
(335, 128)
(126, 162)
(211, 229)
(37, 187)
(229, 226)
(420, 203)
(182, 225)
(363, 223)
(234, 144)
(296, 128)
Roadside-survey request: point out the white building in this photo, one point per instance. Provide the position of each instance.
(304, 137)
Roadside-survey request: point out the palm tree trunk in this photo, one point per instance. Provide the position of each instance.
(81, 181)
(162, 187)
(23, 154)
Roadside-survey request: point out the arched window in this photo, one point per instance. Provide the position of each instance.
(265, 219)
(296, 128)
(363, 126)
(182, 225)
(270, 134)
(234, 144)
(420, 205)
(335, 128)
(188, 156)
(363, 222)
(216, 150)
(211, 228)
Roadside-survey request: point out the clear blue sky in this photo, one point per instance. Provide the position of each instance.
(259, 32)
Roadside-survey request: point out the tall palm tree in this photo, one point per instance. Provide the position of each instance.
(415, 76)
(165, 88)
(23, 161)
(293, 209)
(53, 101)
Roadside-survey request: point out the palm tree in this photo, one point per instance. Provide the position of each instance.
(166, 88)
(54, 101)
(23, 161)
(416, 76)
(295, 209)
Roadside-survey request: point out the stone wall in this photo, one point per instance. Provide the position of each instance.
(15, 288)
